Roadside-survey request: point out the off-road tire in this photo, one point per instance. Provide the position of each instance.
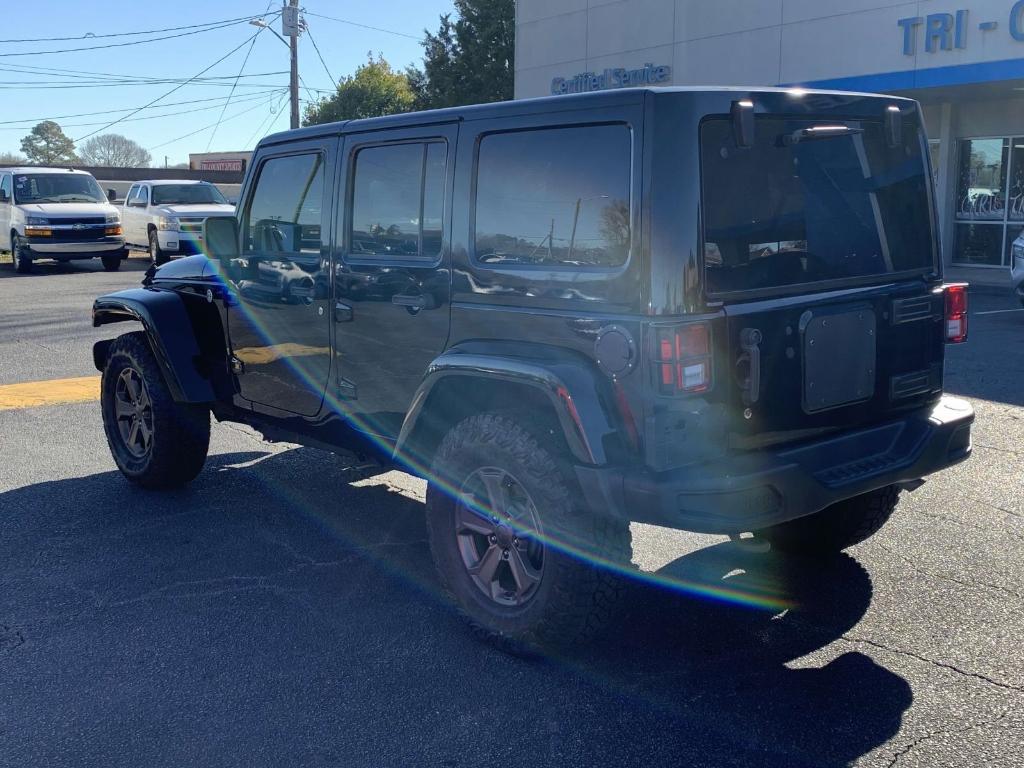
(112, 261)
(836, 527)
(22, 262)
(578, 592)
(181, 432)
(157, 255)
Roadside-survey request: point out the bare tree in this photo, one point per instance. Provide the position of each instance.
(113, 151)
(12, 158)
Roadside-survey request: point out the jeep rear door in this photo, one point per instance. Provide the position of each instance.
(819, 242)
(392, 278)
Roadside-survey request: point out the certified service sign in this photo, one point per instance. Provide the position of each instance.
(612, 78)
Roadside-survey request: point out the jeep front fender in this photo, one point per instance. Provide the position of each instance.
(573, 391)
(171, 336)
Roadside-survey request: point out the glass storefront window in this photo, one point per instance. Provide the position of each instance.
(978, 244)
(1015, 198)
(982, 179)
(990, 189)
(935, 154)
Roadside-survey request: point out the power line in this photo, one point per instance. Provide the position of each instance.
(364, 26)
(126, 109)
(91, 79)
(267, 130)
(205, 128)
(234, 85)
(122, 45)
(35, 69)
(269, 118)
(248, 98)
(175, 88)
(317, 49)
(91, 36)
(13, 86)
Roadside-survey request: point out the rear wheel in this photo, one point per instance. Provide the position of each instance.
(19, 255)
(156, 442)
(836, 527)
(513, 549)
(157, 255)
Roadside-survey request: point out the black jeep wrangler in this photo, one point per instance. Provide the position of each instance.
(717, 310)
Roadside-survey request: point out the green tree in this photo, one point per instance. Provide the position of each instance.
(469, 60)
(47, 144)
(374, 90)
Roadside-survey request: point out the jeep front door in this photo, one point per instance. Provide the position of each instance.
(392, 280)
(279, 324)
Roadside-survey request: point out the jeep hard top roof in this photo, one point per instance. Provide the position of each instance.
(594, 99)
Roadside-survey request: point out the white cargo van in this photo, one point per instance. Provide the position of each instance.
(57, 213)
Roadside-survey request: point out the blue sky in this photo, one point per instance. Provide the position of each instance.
(29, 96)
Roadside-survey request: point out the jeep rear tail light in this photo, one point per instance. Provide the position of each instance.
(956, 312)
(683, 358)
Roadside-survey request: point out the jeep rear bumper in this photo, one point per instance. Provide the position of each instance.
(749, 491)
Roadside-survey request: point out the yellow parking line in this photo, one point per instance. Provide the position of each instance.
(31, 394)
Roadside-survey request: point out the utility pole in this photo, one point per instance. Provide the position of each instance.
(292, 11)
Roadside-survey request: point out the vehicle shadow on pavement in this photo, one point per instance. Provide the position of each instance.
(259, 618)
(724, 664)
(50, 268)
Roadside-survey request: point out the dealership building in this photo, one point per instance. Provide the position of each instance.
(963, 60)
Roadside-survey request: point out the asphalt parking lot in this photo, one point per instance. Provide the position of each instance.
(282, 610)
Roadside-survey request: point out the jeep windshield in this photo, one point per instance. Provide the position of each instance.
(187, 194)
(813, 201)
(56, 188)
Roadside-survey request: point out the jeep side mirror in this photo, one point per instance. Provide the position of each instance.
(4, 197)
(111, 195)
(220, 233)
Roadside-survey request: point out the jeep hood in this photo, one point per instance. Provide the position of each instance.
(189, 268)
(57, 210)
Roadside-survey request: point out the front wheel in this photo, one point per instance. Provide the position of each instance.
(112, 261)
(157, 255)
(836, 527)
(514, 550)
(156, 442)
(19, 255)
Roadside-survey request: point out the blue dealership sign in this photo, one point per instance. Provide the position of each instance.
(612, 78)
(949, 31)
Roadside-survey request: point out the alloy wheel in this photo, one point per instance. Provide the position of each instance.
(499, 537)
(134, 412)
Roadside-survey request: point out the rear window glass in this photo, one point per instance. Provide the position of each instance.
(554, 197)
(398, 200)
(813, 201)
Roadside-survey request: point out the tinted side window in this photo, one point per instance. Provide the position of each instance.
(398, 200)
(284, 213)
(5, 185)
(143, 195)
(554, 197)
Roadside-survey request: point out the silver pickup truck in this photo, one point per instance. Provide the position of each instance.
(166, 216)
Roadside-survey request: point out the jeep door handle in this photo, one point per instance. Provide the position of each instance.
(412, 302)
(750, 342)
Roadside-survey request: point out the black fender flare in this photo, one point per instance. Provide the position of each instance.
(166, 322)
(573, 390)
